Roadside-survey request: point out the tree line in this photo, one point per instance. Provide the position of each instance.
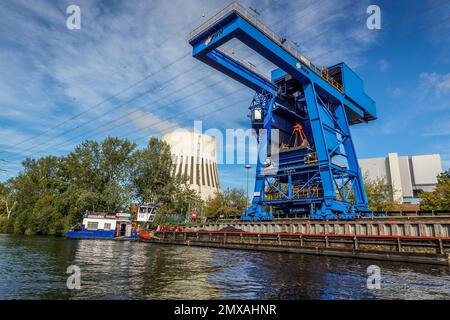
(439, 199)
(51, 194)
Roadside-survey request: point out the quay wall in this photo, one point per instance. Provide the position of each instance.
(429, 250)
(437, 226)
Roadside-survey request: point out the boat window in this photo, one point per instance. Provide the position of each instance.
(92, 225)
(143, 210)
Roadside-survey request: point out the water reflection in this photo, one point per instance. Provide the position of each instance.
(35, 268)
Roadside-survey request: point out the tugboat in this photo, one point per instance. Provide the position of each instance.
(146, 215)
(117, 226)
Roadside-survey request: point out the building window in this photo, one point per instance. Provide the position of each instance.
(92, 225)
(107, 227)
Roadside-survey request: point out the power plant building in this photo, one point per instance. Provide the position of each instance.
(407, 176)
(195, 157)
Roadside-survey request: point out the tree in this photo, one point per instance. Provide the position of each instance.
(98, 175)
(39, 180)
(52, 192)
(439, 199)
(379, 194)
(215, 206)
(231, 202)
(154, 182)
(184, 199)
(152, 178)
(7, 202)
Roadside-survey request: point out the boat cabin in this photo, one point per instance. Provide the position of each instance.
(108, 225)
(146, 213)
(115, 225)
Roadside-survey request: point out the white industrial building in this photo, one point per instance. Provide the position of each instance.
(408, 175)
(195, 156)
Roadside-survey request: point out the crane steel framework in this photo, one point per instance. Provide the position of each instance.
(318, 172)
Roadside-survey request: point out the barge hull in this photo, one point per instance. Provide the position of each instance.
(387, 226)
(427, 250)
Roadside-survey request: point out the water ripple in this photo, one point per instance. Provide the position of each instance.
(35, 268)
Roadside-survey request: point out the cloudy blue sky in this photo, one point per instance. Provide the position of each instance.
(128, 72)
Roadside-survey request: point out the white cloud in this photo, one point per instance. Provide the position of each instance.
(439, 127)
(396, 92)
(383, 65)
(437, 83)
(148, 121)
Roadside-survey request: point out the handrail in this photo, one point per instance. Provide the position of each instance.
(286, 45)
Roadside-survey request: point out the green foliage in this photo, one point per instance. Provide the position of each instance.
(4, 200)
(5, 225)
(152, 177)
(230, 203)
(37, 185)
(169, 220)
(379, 194)
(439, 199)
(98, 175)
(51, 193)
(153, 180)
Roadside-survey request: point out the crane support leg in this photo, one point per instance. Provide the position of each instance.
(265, 149)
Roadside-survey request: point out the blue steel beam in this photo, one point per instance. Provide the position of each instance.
(239, 28)
(236, 70)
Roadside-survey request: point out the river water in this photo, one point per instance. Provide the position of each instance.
(35, 268)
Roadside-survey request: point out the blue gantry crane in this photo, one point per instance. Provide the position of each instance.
(306, 160)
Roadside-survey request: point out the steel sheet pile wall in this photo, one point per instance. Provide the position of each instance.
(431, 250)
(406, 226)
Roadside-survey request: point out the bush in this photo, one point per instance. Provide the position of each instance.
(232, 202)
(439, 199)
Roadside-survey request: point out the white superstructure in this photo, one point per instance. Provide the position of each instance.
(120, 223)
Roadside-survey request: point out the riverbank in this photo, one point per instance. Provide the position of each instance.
(34, 227)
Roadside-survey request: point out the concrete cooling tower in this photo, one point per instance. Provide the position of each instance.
(195, 156)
